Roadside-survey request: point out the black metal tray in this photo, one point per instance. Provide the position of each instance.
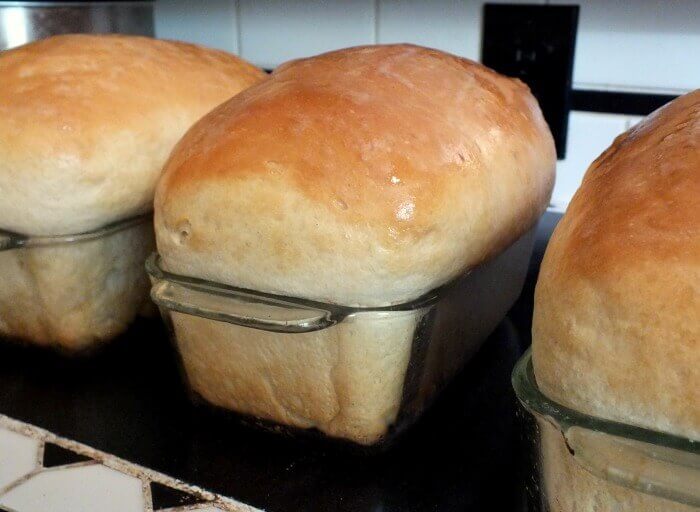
(128, 400)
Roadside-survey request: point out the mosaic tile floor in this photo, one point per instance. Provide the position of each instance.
(42, 472)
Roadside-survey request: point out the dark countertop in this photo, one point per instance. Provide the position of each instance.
(128, 400)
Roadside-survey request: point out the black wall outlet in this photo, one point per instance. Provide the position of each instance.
(535, 43)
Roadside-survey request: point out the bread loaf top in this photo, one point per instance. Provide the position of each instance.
(87, 122)
(364, 176)
(616, 329)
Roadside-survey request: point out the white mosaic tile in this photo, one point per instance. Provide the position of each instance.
(77, 489)
(80, 479)
(20, 455)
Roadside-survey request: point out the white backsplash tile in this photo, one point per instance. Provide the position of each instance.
(274, 31)
(639, 45)
(23, 452)
(645, 45)
(212, 23)
(87, 488)
(589, 135)
(450, 25)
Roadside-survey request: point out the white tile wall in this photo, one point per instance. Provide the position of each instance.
(210, 23)
(450, 25)
(632, 120)
(589, 135)
(273, 31)
(638, 45)
(622, 45)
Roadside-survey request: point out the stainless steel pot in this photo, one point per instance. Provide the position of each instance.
(21, 22)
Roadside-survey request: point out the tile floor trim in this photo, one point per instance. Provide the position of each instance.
(144, 474)
(187, 508)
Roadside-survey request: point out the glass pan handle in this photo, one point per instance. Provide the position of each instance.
(10, 241)
(240, 309)
(649, 468)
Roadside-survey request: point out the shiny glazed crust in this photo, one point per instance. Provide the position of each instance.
(87, 121)
(616, 328)
(365, 176)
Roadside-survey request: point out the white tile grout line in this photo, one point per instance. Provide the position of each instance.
(147, 496)
(239, 24)
(142, 473)
(41, 470)
(7, 488)
(376, 8)
(187, 508)
(69, 466)
(634, 89)
(40, 455)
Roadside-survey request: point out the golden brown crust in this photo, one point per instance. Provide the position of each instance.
(87, 121)
(616, 329)
(362, 176)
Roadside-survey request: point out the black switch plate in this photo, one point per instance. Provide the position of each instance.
(535, 43)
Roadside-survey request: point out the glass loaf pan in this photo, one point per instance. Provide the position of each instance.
(580, 462)
(72, 292)
(355, 374)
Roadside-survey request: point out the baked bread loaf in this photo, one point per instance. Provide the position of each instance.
(366, 177)
(616, 330)
(362, 177)
(86, 124)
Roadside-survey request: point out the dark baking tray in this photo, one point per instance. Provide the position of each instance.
(128, 400)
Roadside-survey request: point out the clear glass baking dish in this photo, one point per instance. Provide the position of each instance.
(355, 374)
(72, 292)
(582, 463)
